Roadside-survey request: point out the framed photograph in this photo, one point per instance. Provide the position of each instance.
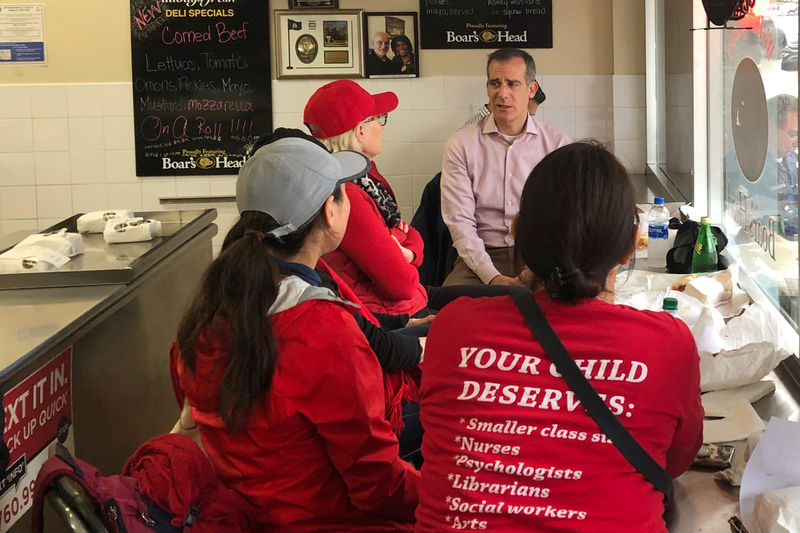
(390, 45)
(319, 44)
(313, 4)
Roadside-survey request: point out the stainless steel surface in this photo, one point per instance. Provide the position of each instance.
(104, 263)
(703, 504)
(32, 319)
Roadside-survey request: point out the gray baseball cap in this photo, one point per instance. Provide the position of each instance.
(291, 178)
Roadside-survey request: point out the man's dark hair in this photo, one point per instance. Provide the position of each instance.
(505, 54)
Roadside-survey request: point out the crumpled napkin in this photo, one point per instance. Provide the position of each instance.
(131, 230)
(748, 347)
(754, 350)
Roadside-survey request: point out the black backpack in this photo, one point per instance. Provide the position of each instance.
(679, 257)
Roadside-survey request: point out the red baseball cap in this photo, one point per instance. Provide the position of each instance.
(339, 106)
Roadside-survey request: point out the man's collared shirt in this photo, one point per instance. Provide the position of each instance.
(482, 179)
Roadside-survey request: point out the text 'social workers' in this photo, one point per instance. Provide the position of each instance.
(537, 397)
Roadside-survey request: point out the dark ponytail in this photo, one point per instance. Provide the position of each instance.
(577, 220)
(236, 293)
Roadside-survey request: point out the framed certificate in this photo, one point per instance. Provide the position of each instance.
(319, 44)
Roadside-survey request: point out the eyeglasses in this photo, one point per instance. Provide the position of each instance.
(380, 118)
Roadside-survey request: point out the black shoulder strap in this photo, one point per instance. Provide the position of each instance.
(593, 404)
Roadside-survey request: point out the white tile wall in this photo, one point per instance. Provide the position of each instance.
(55, 200)
(50, 135)
(88, 167)
(18, 202)
(52, 168)
(16, 102)
(86, 133)
(49, 101)
(69, 148)
(629, 121)
(18, 169)
(87, 198)
(16, 135)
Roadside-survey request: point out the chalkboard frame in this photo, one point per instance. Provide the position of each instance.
(200, 86)
(413, 36)
(307, 22)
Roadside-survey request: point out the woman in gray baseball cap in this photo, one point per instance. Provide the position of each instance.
(284, 388)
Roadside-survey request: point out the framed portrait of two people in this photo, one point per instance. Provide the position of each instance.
(391, 45)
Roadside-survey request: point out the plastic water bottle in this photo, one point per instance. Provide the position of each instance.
(657, 234)
(790, 216)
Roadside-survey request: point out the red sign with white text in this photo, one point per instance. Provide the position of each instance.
(37, 412)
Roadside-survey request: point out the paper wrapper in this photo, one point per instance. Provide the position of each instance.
(773, 471)
(68, 244)
(31, 258)
(95, 221)
(748, 347)
(777, 511)
(136, 229)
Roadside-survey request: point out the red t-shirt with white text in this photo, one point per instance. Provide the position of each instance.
(507, 446)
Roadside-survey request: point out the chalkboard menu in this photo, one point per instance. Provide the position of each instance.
(201, 83)
(486, 23)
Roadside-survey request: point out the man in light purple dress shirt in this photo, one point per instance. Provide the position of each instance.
(485, 167)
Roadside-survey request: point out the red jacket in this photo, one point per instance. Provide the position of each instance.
(317, 453)
(399, 386)
(508, 447)
(371, 263)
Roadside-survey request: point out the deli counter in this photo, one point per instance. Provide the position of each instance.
(85, 348)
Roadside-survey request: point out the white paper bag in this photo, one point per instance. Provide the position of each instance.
(137, 229)
(95, 222)
(31, 258)
(68, 244)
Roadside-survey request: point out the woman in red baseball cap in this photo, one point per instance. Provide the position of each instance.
(380, 253)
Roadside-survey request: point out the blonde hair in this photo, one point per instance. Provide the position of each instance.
(343, 141)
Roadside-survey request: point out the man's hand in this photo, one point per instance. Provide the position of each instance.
(417, 321)
(526, 277)
(505, 280)
(403, 226)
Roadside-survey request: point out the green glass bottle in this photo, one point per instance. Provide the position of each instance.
(704, 257)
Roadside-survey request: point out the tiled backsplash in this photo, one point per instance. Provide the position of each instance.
(66, 149)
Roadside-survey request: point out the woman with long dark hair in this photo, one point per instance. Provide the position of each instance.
(507, 445)
(285, 390)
